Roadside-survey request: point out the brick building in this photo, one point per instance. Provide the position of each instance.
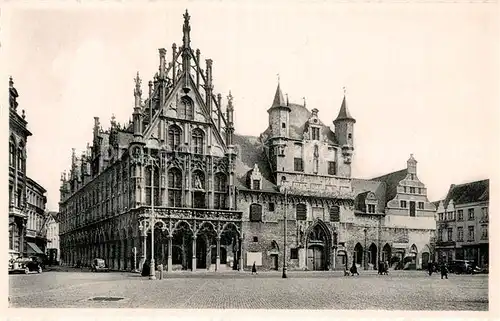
(220, 198)
(52, 227)
(462, 223)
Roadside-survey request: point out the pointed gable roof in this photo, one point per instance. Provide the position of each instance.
(344, 112)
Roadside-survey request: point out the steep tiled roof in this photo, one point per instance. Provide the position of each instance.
(361, 188)
(251, 152)
(472, 192)
(391, 181)
(278, 98)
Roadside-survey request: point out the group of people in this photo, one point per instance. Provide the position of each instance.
(443, 268)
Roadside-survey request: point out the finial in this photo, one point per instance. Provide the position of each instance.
(343, 88)
(138, 82)
(24, 114)
(304, 98)
(11, 82)
(12, 94)
(287, 103)
(186, 29)
(230, 98)
(278, 75)
(113, 119)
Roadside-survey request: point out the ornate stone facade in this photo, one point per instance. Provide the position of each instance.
(18, 137)
(220, 199)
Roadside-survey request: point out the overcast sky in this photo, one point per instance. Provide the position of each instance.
(420, 78)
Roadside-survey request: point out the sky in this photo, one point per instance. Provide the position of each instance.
(420, 79)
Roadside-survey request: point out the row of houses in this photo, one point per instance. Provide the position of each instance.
(32, 230)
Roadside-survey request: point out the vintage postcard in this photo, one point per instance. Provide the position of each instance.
(296, 157)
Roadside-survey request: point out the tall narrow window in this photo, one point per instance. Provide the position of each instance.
(471, 214)
(315, 133)
(460, 234)
(197, 141)
(450, 234)
(174, 136)
(220, 191)
(298, 164)
(471, 233)
(412, 208)
(174, 187)
(12, 154)
(185, 109)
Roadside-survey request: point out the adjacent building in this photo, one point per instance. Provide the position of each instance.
(220, 200)
(52, 226)
(463, 223)
(27, 198)
(18, 137)
(36, 232)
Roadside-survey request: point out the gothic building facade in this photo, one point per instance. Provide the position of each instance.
(219, 200)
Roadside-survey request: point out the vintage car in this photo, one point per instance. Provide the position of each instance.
(98, 265)
(24, 265)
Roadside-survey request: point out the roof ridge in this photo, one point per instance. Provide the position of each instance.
(472, 182)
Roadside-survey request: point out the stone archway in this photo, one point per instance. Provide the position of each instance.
(182, 246)
(425, 257)
(358, 254)
(230, 238)
(386, 253)
(372, 250)
(318, 245)
(205, 241)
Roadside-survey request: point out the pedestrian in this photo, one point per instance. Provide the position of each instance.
(444, 271)
(254, 268)
(380, 268)
(386, 268)
(430, 268)
(354, 269)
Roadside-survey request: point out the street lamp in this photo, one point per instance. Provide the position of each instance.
(284, 229)
(152, 272)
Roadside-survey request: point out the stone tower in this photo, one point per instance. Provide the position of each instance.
(344, 131)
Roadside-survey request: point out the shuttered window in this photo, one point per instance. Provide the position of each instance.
(301, 213)
(255, 213)
(334, 214)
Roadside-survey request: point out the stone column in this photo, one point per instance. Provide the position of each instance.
(169, 255)
(193, 264)
(162, 253)
(333, 264)
(240, 250)
(217, 259)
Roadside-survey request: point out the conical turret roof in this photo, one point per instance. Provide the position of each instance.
(344, 112)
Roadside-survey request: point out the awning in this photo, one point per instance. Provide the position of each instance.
(33, 248)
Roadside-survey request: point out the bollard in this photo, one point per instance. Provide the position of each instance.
(160, 267)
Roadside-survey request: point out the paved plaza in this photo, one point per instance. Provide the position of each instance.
(401, 290)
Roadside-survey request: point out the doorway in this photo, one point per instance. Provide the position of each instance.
(315, 258)
(274, 262)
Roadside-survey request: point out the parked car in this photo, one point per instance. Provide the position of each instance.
(24, 265)
(98, 265)
(483, 270)
(461, 266)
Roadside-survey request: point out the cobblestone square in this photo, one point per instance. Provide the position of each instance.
(403, 290)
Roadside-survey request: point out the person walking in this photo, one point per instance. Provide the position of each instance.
(254, 268)
(430, 268)
(444, 271)
(354, 269)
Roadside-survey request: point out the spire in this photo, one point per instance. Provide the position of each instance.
(186, 29)
(344, 111)
(278, 101)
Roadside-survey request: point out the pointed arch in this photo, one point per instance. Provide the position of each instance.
(174, 136)
(319, 245)
(197, 140)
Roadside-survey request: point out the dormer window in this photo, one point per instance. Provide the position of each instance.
(256, 178)
(315, 133)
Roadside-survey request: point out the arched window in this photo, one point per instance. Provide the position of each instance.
(255, 213)
(174, 136)
(185, 109)
(220, 191)
(174, 187)
(301, 212)
(12, 154)
(197, 141)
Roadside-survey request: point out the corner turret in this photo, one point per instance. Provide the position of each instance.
(279, 115)
(344, 130)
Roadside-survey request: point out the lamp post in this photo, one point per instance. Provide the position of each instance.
(152, 272)
(284, 276)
